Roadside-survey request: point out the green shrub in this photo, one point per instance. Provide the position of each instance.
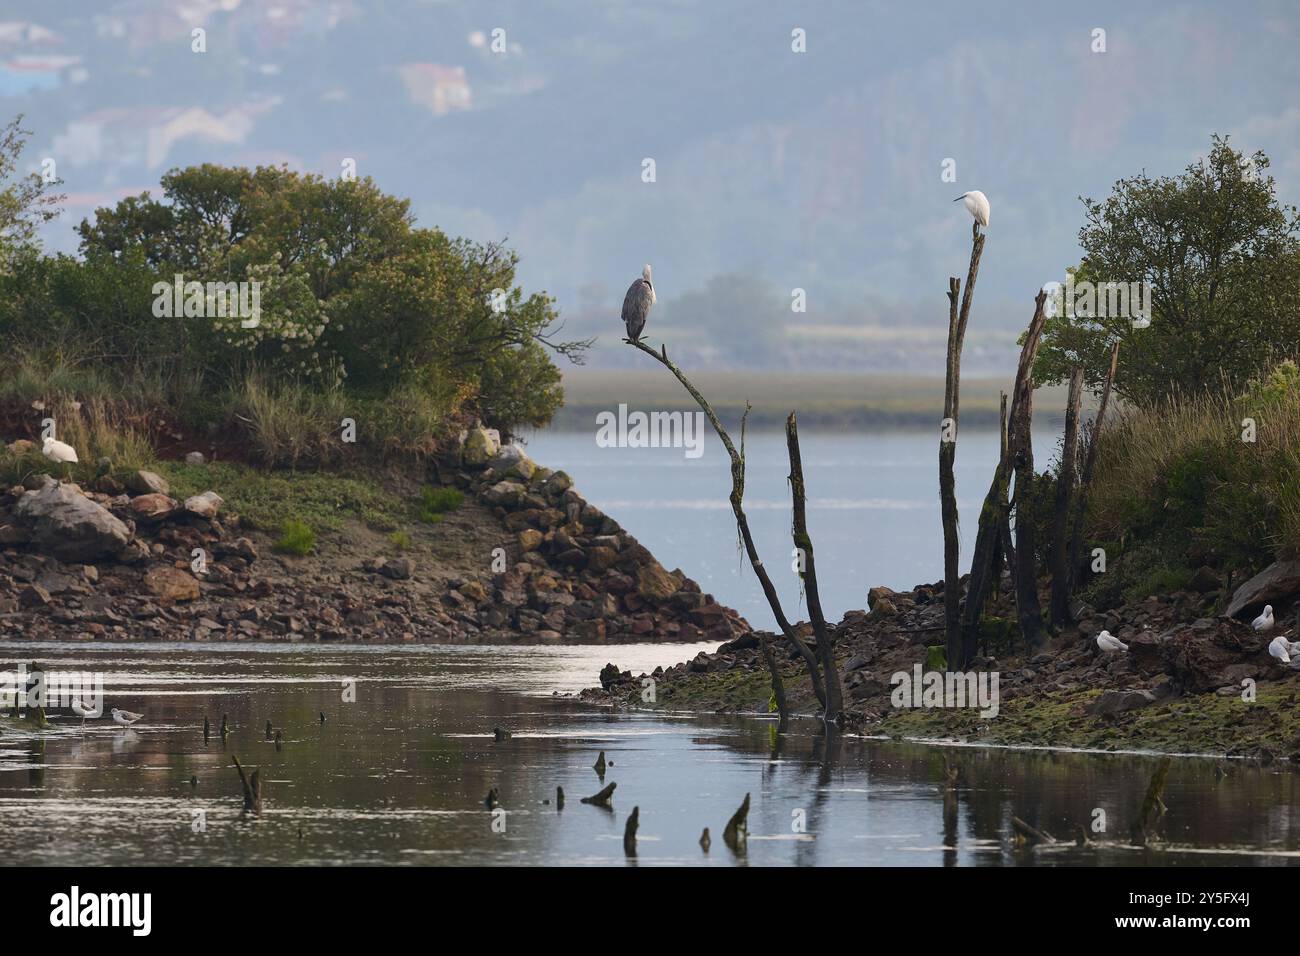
(435, 502)
(400, 540)
(296, 538)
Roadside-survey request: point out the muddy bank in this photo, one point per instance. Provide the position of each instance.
(524, 558)
(1191, 681)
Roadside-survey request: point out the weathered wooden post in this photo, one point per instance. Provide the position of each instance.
(957, 319)
(1022, 454)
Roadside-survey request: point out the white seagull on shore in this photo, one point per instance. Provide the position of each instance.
(82, 711)
(124, 717)
(1280, 648)
(1109, 644)
(977, 204)
(1265, 621)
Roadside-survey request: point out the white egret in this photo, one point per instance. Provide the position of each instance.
(58, 451)
(1109, 644)
(1265, 621)
(636, 304)
(124, 717)
(1280, 648)
(977, 204)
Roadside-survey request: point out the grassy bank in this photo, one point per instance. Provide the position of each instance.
(826, 400)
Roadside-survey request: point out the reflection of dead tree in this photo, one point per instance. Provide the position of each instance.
(742, 525)
(252, 789)
(957, 320)
(1153, 807)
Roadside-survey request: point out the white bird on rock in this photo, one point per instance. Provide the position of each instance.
(1280, 648)
(1265, 621)
(1109, 644)
(977, 204)
(124, 717)
(58, 451)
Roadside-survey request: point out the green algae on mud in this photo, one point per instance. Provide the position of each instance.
(1203, 724)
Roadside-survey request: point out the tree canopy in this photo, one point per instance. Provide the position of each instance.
(1222, 260)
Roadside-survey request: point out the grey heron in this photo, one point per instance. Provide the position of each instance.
(977, 204)
(636, 304)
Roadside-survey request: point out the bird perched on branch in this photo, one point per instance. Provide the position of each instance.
(977, 204)
(1265, 621)
(1110, 644)
(636, 304)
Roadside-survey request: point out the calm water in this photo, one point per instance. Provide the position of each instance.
(873, 507)
(398, 777)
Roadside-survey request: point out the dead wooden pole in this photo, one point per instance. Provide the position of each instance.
(957, 319)
(988, 543)
(1090, 461)
(1030, 834)
(742, 522)
(1060, 602)
(1022, 454)
(778, 685)
(834, 702)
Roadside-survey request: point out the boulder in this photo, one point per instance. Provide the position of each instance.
(481, 446)
(171, 584)
(194, 458)
(1277, 584)
(654, 583)
(153, 507)
(205, 505)
(530, 539)
(512, 462)
(147, 483)
(69, 526)
(507, 493)
(398, 569)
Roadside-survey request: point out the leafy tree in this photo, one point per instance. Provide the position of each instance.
(1223, 263)
(25, 203)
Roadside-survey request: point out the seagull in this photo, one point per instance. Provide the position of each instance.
(82, 711)
(977, 204)
(124, 717)
(1265, 621)
(60, 452)
(636, 304)
(1110, 644)
(1280, 648)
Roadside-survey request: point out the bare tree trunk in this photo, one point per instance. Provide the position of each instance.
(1060, 608)
(1090, 460)
(984, 568)
(742, 522)
(957, 320)
(834, 702)
(1022, 454)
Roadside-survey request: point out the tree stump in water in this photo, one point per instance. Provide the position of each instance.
(629, 832)
(603, 798)
(599, 766)
(737, 831)
(705, 840)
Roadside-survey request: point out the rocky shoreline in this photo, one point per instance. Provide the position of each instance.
(535, 563)
(1192, 681)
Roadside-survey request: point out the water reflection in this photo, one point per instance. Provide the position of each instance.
(399, 776)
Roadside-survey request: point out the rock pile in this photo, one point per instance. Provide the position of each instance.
(573, 573)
